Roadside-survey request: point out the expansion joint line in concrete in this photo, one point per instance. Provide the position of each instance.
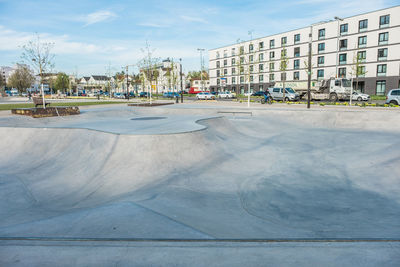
(178, 240)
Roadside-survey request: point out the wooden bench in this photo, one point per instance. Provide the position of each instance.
(39, 101)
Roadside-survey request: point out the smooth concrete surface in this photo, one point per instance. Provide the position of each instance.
(325, 177)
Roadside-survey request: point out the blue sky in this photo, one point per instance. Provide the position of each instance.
(89, 36)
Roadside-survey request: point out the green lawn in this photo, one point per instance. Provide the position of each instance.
(66, 104)
(378, 97)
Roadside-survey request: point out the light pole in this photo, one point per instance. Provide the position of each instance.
(337, 45)
(201, 67)
(180, 62)
(41, 83)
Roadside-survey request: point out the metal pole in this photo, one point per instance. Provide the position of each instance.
(127, 84)
(309, 70)
(180, 62)
(201, 67)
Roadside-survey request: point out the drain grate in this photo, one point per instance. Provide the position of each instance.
(148, 118)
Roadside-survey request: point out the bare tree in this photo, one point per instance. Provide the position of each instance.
(283, 67)
(147, 65)
(22, 78)
(38, 55)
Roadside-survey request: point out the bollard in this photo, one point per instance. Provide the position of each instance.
(177, 99)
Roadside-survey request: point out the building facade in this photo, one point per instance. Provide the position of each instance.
(365, 48)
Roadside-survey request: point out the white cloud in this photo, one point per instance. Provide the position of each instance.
(97, 16)
(193, 19)
(152, 25)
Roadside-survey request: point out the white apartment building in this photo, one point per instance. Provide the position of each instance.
(372, 40)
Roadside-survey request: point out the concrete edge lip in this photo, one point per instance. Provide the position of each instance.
(198, 121)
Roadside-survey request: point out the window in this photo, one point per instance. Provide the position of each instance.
(382, 54)
(271, 77)
(251, 68)
(321, 34)
(260, 88)
(261, 57)
(225, 72)
(296, 64)
(241, 79)
(251, 47)
(233, 52)
(225, 62)
(225, 53)
(261, 67)
(251, 58)
(272, 43)
(272, 66)
(342, 73)
(233, 80)
(218, 73)
(344, 28)
(321, 47)
(362, 56)
(241, 51)
(233, 70)
(320, 74)
(241, 69)
(261, 45)
(343, 44)
(384, 21)
(233, 61)
(363, 25)
(217, 54)
(380, 87)
(296, 75)
(283, 41)
(297, 38)
(362, 41)
(283, 53)
(342, 59)
(218, 64)
(383, 38)
(251, 78)
(381, 70)
(271, 55)
(218, 81)
(361, 71)
(296, 51)
(261, 78)
(241, 60)
(321, 60)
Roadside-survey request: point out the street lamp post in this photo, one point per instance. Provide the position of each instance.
(337, 45)
(201, 67)
(180, 62)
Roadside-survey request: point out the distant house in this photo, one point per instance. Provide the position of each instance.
(95, 83)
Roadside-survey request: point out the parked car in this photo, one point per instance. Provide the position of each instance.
(132, 94)
(119, 95)
(214, 92)
(259, 93)
(360, 96)
(205, 95)
(225, 95)
(290, 94)
(144, 94)
(170, 94)
(393, 97)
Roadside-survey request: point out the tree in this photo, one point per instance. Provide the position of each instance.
(38, 55)
(21, 79)
(62, 82)
(358, 68)
(283, 67)
(147, 65)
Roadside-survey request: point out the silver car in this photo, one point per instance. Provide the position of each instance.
(290, 94)
(360, 96)
(393, 97)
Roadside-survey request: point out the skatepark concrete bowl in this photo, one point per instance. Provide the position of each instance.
(188, 173)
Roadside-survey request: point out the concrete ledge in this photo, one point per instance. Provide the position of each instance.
(149, 105)
(46, 112)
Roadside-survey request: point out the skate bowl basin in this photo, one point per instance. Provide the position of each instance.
(170, 174)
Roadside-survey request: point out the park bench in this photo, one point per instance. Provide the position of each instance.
(39, 101)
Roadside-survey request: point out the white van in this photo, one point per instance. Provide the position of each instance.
(290, 94)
